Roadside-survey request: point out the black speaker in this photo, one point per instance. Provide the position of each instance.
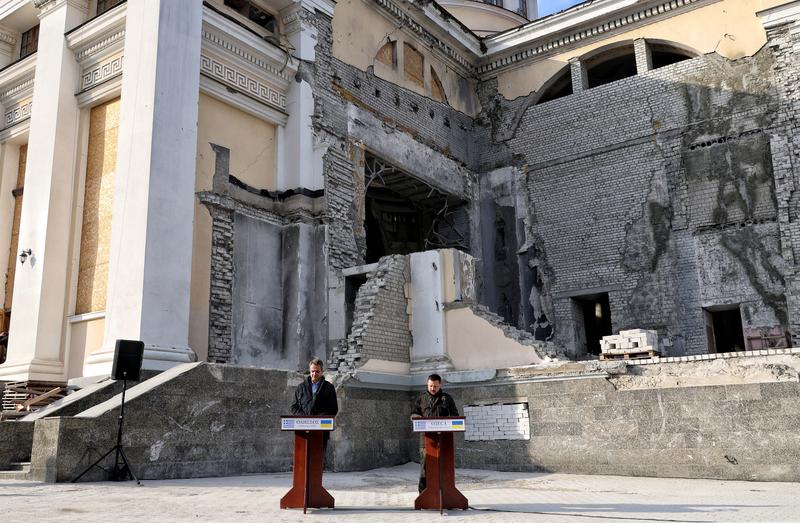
(127, 360)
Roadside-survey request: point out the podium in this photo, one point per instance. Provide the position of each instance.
(307, 490)
(440, 471)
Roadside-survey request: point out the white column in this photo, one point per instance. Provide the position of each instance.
(302, 158)
(9, 163)
(37, 321)
(151, 240)
(429, 352)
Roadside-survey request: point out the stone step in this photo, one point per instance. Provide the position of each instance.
(19, 470)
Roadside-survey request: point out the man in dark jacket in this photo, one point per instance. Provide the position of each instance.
(432, 403)
(315, 396)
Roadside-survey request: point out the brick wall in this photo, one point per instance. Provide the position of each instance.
(493, 422)
(657, 189)
(380, 321)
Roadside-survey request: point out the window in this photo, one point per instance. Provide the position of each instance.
(105, 5)
(29, 42)
(387, 55)
(498, 3)
(611, 66)
(724, 329)
(437, 91)
(253, 13)
(412, 65)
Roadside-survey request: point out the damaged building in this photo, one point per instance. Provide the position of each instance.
(403, 187)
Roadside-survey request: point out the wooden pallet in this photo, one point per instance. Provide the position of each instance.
(633, 355)
(23, 397)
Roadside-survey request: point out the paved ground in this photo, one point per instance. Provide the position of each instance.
(385, 495)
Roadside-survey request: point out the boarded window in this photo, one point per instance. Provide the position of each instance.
(98, 204)
(12, 253)
(437, 91)
(387, 55)
(412, 65)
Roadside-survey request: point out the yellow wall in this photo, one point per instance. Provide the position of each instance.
(729, 27)
(252, 160)
(12, 253)
(98, 205)
(474, 344)
(85, 338)
(250, 140)
(359, 32)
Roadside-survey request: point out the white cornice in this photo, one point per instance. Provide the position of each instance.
(783, 14)
(100, 37)
(582, 23)
(477, 5)
(14, 79)
(8, 7)
(245, 48)
(45, 7)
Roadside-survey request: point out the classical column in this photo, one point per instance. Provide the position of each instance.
(300, 158)
(151, 240)
(643, 55)
(579, 79)
(40, 285)
(9, 171)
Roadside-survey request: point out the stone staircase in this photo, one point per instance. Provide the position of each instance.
(16, 470)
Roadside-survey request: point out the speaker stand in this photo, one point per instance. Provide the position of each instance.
(121, 470)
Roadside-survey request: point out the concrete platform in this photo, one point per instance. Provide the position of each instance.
(386, 495)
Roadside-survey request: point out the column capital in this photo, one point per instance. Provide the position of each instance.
(46, 6)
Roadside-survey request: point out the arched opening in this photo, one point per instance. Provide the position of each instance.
(664, 54)
(558, 86)
(610, 66)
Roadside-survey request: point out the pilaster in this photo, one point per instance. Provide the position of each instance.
(8, 42)
(643, 55)
(579, 79)
(151, 240)
(35, 350)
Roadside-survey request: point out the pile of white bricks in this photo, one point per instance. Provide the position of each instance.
(630, 341)
(493, 422)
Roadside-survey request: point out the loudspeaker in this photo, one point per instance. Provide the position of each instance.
(127, 360)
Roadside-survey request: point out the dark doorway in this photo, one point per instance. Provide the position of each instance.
(724, 329)
(596, 314)
(351, 285)
(404, 214)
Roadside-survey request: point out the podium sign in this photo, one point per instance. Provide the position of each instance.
(306, 423)
(440, 464)
(309, 455)
(439, 424)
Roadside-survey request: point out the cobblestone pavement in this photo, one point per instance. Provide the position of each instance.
(386, 495)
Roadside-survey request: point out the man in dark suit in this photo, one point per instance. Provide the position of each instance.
(315, 396)
(432, 403)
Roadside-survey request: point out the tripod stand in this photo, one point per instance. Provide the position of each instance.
(121, 470)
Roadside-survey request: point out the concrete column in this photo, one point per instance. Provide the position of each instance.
(151, 240)
(35, 348)
(429, 352)
(644, 57)
(8, 42)
(301, 159)
(579, 78)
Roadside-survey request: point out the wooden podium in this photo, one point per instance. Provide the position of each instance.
(440, 488)
(307, 490)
